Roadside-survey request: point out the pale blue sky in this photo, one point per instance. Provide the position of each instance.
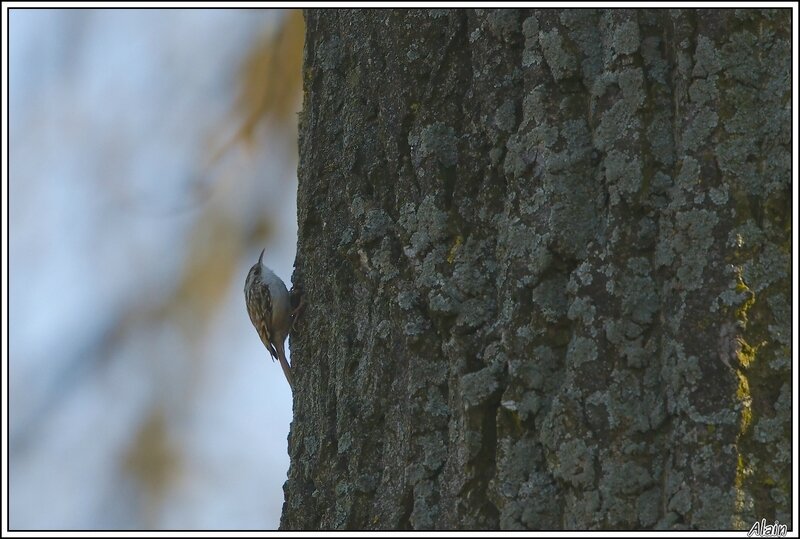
(111, 114)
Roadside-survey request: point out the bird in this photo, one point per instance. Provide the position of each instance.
(272, 309)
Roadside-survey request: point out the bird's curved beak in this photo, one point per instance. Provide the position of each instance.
(261, 255)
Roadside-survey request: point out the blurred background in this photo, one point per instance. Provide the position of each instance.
(152, 156)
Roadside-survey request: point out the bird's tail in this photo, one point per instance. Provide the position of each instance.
(287, 370)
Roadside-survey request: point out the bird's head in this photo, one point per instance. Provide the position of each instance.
(254, 275)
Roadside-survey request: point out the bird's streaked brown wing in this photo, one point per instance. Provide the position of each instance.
(259, 307)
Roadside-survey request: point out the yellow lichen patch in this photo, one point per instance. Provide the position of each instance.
(746, 356)
(454, 249)
(744, 398)
(742, 288)
(745, 353)
(742, 471)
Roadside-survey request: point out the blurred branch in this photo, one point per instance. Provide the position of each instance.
(270, 83)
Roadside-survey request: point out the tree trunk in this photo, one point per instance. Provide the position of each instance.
(546, 259)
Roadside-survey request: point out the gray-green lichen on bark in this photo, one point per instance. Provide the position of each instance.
(545, 256)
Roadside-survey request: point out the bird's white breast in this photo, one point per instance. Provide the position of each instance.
(281, 306)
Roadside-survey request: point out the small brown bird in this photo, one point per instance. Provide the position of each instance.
(269, 305)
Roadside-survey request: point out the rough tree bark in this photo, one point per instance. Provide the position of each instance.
(546, 262)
